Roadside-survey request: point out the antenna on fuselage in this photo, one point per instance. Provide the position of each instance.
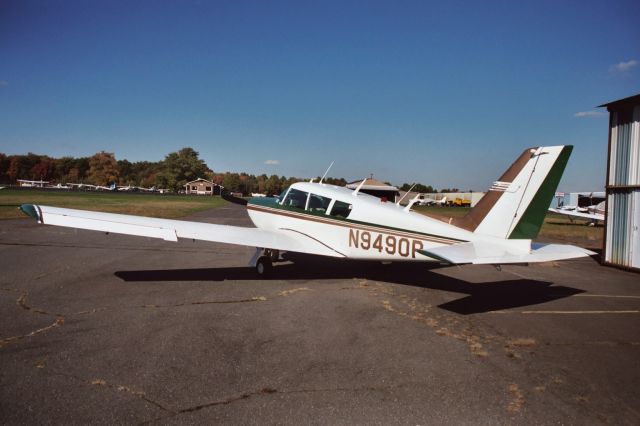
(355, 191)
(325, 173)
(405, 194)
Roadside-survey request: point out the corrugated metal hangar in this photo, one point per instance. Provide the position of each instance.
(622, 221)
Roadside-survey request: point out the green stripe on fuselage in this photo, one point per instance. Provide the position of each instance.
(530, 223)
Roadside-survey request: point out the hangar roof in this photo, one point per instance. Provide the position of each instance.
(631, 100)
(372, 184)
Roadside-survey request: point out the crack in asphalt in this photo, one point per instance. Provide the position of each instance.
(22, 303)
(57, 323)
(60, 318)
(129, 390)
(517, 399)
(266, 391)
(293, 290)
(449, 326)
(206, 302)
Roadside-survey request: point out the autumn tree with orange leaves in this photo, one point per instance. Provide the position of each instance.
(103, 169)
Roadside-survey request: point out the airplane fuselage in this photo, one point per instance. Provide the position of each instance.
(358, 226)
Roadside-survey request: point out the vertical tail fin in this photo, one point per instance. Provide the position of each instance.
(517, 203)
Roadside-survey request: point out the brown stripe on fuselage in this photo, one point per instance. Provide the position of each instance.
(477, 214)
(372, 228)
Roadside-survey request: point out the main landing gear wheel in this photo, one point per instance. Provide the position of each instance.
(263, 265)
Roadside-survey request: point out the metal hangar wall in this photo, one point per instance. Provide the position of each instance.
(622, 221)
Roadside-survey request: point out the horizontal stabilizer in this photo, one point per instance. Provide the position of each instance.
(481, 253)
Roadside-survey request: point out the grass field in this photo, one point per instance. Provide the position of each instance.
(164, 206)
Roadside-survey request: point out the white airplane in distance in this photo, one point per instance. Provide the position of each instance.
(139, 188)
(327, 220)
(32, 183)
(594, 213)
(82, 185)
(59, 186)
(428, 201)
(110, 187)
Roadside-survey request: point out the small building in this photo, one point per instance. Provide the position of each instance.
(577, 199)
(376, 188)
(622, 218)
(202, 187)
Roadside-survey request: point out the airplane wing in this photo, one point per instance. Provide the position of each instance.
(574, 213)
(171, 230)
(481, 253)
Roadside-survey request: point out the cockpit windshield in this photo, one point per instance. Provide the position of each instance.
(313, 203)
(318, 204)
(282, 194)
(296, 199)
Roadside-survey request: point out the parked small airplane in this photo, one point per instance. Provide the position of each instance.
(322, 219)
(591, 205)
(594, 213)
(428, 201)
(59, 186)
(110, 187)
(32, 183)
(140, 188)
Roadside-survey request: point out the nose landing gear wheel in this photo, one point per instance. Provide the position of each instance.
(263, 266)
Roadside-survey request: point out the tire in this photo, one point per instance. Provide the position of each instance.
(274, 255)
(263, 266)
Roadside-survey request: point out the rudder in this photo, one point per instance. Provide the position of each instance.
(517, 203)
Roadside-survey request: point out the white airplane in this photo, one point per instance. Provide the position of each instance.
(82, 185)
(59, 186)
(32, 183)
(327, 220)
(139, 188)
(594, 213)
(428, 201)
(110, 187)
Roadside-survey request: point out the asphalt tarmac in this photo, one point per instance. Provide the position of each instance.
(112, 329)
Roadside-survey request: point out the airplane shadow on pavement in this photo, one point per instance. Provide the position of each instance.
(481, 296)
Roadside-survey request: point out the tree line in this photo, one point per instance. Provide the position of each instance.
(172, 173)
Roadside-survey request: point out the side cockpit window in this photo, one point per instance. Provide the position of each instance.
(318, 204)
(296, 199)
(340, 209)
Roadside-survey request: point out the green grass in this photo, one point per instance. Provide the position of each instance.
(559, 228)
(164, 206)
(446, 212)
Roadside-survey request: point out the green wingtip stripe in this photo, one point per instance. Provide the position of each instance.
(531, 221)
(30, 210)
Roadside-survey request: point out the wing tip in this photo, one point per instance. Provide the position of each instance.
(30, 210)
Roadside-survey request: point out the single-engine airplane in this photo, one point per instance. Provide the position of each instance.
(321, 219)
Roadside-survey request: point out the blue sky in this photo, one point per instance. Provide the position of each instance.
(443, 93)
